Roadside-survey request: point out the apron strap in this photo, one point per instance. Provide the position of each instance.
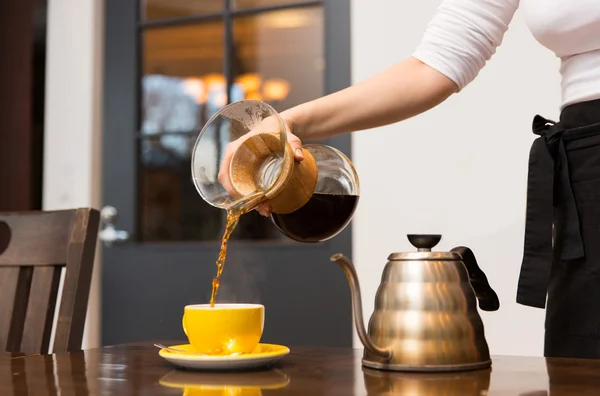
(548, 186)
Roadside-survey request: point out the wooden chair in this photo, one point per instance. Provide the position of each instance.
(39, 245)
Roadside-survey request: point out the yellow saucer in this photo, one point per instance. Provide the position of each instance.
(263, 355)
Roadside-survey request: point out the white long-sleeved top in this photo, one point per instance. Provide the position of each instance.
(464, 34)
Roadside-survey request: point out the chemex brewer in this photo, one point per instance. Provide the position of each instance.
(311, 201)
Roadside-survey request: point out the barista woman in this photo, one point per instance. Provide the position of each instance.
(562, 232)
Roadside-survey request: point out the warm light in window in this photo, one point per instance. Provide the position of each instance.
(216, 87)
(220, 99)
(276, 89)
(250, 82)
(196, 88)
(214, 81)
(213, 86)
(254, 96)
(287, 19)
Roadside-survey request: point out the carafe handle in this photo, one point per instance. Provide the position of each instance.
(487, 297)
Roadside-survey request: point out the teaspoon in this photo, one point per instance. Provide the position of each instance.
(161, 346)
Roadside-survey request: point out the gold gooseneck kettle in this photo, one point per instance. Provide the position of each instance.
(425, 316)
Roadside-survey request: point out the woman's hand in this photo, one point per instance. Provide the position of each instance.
(268, 124)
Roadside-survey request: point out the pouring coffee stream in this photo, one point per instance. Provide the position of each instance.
(311, 201)
(425, 316)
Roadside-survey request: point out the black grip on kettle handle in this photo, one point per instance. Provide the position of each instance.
(487, 297)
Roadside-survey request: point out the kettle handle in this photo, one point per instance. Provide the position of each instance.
(487, 297)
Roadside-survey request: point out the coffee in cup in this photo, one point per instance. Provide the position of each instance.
(224, 329)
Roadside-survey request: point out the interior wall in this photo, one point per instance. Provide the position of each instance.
(73, 129)
(459, 170)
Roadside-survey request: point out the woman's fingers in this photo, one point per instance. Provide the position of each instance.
(296, 144)
(264, 209)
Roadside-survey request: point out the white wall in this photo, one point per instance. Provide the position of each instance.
(459, 170)
(72, 127)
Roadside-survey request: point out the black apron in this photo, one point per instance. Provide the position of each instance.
(561, 257)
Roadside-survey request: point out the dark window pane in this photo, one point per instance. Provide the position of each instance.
(241, 4)
(165, 9)
(278, 59)
(182, 87)
(170, 207)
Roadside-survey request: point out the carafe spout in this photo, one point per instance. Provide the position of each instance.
(350, 272)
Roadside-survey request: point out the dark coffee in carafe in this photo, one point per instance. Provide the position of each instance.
(321, 218)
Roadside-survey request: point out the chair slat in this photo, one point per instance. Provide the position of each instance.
(8, 288)
(40, 310)
(15, 284)
(73, 305)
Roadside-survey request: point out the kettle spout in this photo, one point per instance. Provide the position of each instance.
(350, 272)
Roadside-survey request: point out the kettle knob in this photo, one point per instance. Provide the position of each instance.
(424, 242)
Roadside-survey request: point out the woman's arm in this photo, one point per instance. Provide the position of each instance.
(462, 36)
(459, 40)
(406, 89)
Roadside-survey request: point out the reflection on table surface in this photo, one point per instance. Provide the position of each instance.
(137, 369)
(467, 383)
(238, 384)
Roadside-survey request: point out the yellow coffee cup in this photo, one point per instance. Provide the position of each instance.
(224, 329)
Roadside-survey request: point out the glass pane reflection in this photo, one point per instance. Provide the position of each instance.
(165, 9)
(182, 87)
(182, 83)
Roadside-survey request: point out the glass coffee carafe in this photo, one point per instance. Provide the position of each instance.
(242, 159)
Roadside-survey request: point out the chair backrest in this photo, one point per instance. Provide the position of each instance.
(34, 247)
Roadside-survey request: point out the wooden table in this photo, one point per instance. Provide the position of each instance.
(138, 370)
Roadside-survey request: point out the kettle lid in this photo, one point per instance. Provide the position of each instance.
(424, 243)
